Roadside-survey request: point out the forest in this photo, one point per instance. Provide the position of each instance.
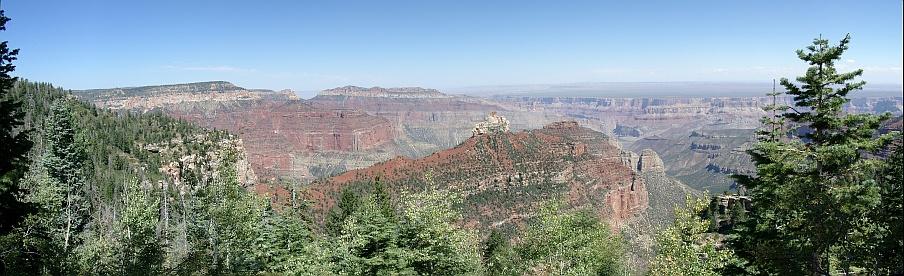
(88, 191)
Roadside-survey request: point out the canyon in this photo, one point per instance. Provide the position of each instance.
(506, 177)
(702, 140)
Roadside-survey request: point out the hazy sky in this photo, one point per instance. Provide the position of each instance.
(308, 45)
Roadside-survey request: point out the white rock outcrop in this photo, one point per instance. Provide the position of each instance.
(492, 123)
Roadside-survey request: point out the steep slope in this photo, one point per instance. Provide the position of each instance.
(285, 137)
(504, 177)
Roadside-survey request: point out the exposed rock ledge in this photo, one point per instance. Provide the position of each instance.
(493, 123)
(650, 161)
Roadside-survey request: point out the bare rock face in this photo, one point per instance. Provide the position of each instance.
(208, 162)
(493, 123)
(650, 161)
(506, 177)
(281, 136)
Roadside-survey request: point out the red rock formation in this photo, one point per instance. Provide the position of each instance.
(506, 177)
(276, 131)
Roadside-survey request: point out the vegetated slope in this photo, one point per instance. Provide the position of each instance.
(505, 177)
(120, 144)
(183, 173)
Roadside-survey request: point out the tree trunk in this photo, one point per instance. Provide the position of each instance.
(68, 219)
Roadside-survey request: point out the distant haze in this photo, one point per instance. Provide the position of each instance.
(655, 89)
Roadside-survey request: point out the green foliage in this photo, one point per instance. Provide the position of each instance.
(142, 251)
(366, 244)
(498, 254)
(286, 246)
(63, 163)
(687, 247)
(886, 247)
(224, 225)
(345, 207)
(14, 143)
(432, 242)
(569, 244)
(423, 241)
(816, 196)
(135, 194)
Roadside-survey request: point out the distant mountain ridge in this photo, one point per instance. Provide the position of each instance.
(159, 96)
(150, 90)
(376, 91)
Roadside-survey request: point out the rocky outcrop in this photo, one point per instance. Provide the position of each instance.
(492, 124)
(506, 177)
(208, 162)
(626, 131)
(650, 162)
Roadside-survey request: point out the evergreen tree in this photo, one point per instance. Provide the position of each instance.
(345, 207)
(381, 195)
(286, 245)
(498, 255)
(430, 240)
(14, 143)
(887, 252)
(64, 162)
(813, 194)
(424, 240)
(366, 244)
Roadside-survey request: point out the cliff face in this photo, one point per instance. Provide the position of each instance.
(283, 136)
(280, 134)
(427, 120)
(505, 176)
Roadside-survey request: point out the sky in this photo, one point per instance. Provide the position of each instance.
(314, 45)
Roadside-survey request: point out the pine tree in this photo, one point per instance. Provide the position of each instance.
(381, 195)
(64, 161)
(345, 207)
(774, 123)
(14, 143)
(813, 194)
